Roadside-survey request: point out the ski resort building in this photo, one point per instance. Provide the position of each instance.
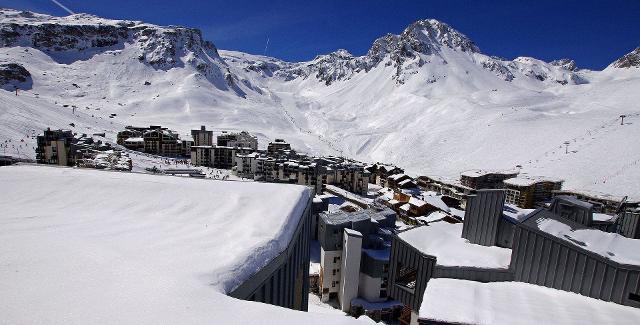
(202, 137)
(119, 248)
(240, 140)
(453, 191)
(63, 148)
(601, 203)
(530, 192)
(354, 255)
(278, 145)
(482, 179)
(554, 251)
(54, 147)
(155, 139)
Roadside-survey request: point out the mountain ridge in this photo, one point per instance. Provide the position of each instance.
(420, 102)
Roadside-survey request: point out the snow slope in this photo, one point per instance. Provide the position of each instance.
(81, 246)
(428, 99)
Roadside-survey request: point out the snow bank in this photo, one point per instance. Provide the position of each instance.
(444, 242)
(85, 246)
(470, 302)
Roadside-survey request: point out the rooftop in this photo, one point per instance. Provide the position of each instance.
(87, 246)
(611, 246)
(444, 242)
(469, 302)
(526, 180)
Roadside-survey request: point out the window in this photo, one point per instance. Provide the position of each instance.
(634, 296)
(334, 271)
(406, 277)
(333, 284)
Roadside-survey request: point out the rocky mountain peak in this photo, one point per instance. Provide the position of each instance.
(567, 64)
(629, 60)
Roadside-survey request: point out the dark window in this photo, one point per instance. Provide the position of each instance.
(406, 277)
(634, 296)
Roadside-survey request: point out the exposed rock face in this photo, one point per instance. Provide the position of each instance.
(421, 43)
(629, 60)
(160, 47)
(14, 75)
(567, 64)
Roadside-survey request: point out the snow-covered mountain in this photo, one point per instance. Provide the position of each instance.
(428, 99)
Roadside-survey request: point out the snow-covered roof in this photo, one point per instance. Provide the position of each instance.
(444, 242)
(603, 217)
(405, 207)
(134, 140)
(416, 202)
(397, 176)
(433, 217)
(481, 172)
(86, 246)
(436, 201)
(468, 302)
(608, 245)
(526, 180)
(516, 213)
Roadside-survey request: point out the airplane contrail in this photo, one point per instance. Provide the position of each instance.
(63, 7)
(265, 47)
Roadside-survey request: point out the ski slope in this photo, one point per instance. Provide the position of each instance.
(438, 111)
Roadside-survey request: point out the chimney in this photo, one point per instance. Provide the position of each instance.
(202, 128)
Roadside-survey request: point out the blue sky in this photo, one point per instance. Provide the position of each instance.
(594, 33)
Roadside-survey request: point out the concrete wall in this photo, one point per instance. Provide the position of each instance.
(329, 280)
(350, 269)
(369, 288)
(285, 280)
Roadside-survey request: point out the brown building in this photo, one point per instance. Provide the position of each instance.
(530, 192)
(482, 179)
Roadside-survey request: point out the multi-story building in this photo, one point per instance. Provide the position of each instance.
(453, 192)
(528, 192)
(54, 147)
(354, 255)
(278, 145)
(241, 140)
(601, 203)
(482, 179)
(202, 137)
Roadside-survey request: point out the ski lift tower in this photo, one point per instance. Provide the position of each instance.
(566, 148)
(622, 119)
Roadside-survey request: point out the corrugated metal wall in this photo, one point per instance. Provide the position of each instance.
(482, 215)
(630, 225)
(404, 253)
(472, 273)
(285, 280)
(569, 207)
(542, 259)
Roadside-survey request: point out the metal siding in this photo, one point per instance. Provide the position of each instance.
(564, 266)
(281, 271)
(482, 215)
